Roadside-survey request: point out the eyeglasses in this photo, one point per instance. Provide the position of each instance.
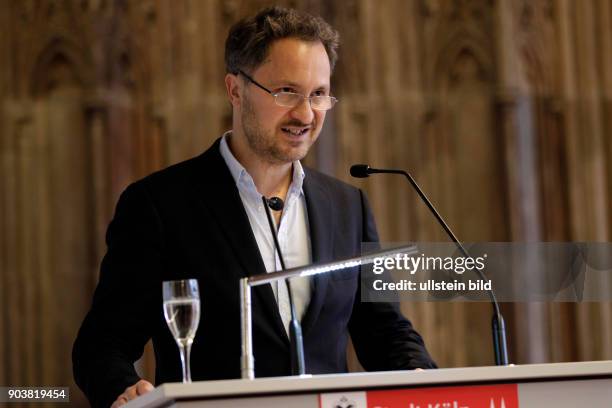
(291, 99)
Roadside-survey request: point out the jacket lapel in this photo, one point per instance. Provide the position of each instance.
(321, 222)
(213, 178)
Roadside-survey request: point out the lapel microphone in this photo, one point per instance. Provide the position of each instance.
(295, 329)
(275, 203)
(500, 346)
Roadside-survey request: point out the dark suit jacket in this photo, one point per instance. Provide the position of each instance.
(187, 221)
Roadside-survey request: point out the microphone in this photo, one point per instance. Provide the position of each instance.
(295, 329)
(360, 170)
(275, 203)
(500, 346)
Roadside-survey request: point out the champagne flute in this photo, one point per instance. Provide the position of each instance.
(182, 313)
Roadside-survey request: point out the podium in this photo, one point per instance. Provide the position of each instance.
(584, 384)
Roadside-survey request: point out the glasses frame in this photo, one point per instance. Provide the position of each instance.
(333, 99)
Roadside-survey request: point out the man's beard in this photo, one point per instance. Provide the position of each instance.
(264, 144)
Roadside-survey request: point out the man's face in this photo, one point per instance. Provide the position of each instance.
(278, 134)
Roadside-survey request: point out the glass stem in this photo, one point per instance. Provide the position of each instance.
(185, 360)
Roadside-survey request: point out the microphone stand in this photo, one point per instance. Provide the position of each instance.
(295, 329)
(498, 326)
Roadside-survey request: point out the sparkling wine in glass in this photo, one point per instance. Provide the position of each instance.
(182, 313)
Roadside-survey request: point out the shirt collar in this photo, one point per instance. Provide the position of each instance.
(241, 175)
(297, 180)
(236, 169)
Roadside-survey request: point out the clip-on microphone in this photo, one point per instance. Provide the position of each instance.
(295, 330)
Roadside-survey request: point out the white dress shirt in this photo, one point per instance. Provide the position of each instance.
(293, 233)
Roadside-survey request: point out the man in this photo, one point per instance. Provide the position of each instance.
(204, 219)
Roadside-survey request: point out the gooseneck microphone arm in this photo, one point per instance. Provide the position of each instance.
(295, 329)
(498, 326)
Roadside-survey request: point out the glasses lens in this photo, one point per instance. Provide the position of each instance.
(288, 99)
(291, 100)
(322, 102)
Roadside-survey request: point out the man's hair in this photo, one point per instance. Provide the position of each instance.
(250, 39)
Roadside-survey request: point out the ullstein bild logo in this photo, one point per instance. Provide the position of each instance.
(487, 396)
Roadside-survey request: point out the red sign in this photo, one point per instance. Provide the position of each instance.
(478, 396)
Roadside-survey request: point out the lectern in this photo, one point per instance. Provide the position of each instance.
(563, 385)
